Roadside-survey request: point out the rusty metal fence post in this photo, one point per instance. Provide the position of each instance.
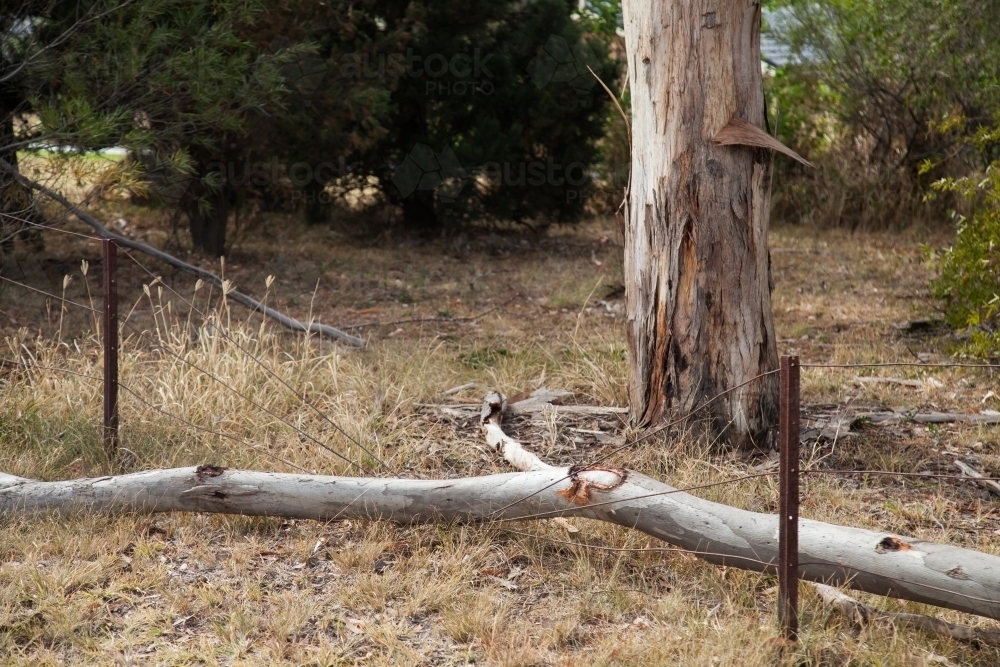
(110, 249)
(788, 489)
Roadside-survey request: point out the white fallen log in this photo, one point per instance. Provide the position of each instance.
(876, 562)
(861, 613)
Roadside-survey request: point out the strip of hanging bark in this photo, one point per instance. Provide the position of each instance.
(969, 471)
(207, 276)
(740, 132)
(862, 613)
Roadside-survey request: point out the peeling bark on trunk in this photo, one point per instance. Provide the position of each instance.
(697, 268)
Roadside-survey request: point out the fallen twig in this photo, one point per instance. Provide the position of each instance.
(415, 320)
(879, 380)
(932, 417)
(207, 276)
(860, 612)
(979, 477)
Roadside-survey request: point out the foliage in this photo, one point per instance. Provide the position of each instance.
(328, 119)
(520, 139)
(169, 80)
(221, 101)
(866, 94)
(969, 280)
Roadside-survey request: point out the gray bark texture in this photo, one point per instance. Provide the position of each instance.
(697, 268)
(876, 562)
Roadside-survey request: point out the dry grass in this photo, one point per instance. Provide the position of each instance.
(199, 589)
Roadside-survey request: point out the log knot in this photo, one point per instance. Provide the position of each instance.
(209, 470)
(586, 478)
(220, 492)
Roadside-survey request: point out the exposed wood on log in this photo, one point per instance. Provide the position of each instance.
(969, 471)
(207, 276)
(876, 562)
(511, 450)
(862, 613)
(697, 269)
(739, 132)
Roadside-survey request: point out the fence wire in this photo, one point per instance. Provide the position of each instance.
(849, 572)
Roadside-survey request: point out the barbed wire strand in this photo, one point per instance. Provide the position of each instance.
(257, 361)
(201, 370)
(773, 564)
(48, 294)
(246, 398)
(28, 367)
(38, 225)
(240, 441)
(685, 489)
(902, 363)
(891, 473)
(636, 549)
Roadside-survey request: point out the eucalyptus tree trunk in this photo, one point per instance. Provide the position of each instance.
(697, 274)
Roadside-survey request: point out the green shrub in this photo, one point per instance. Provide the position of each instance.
(969, 279)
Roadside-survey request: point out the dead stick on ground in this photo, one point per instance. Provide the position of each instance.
(931, 417)
(207, 276)
(860, 612)
(979, 477)
(416, 320)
